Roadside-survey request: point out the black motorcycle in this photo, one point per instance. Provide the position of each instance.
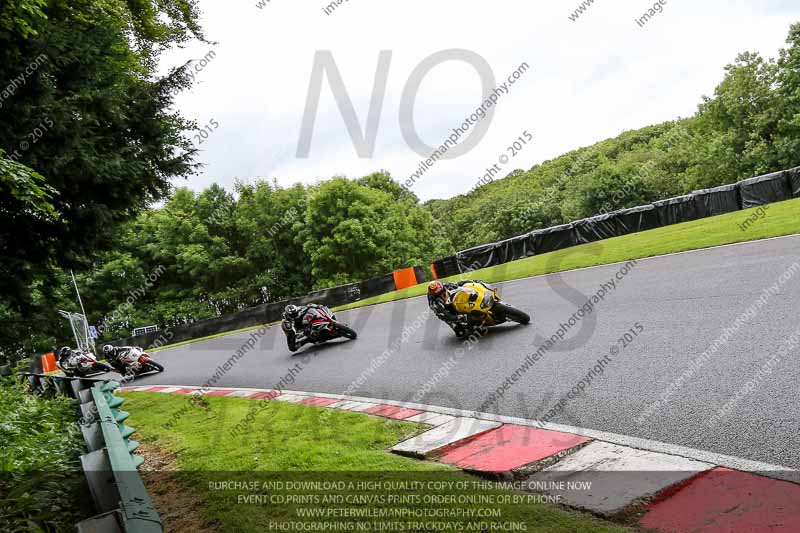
(324, 328)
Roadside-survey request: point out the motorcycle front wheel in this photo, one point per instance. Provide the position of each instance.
(291, 340)
(345, 331)
(102, 367)
(152, 366)
(512, 313)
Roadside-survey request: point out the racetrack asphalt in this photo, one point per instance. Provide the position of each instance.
(683, 302)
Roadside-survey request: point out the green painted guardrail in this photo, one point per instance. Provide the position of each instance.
(110, 465)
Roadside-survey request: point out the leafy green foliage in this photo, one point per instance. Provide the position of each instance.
(89, 137)
(217, 253)
(41, 483)
(19, 17)
(26, 215)
(354, 232)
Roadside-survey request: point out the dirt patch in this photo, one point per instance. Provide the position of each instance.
(178, 507)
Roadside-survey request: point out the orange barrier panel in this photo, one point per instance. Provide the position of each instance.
(433, 269)
(49, 362)
(405, 278)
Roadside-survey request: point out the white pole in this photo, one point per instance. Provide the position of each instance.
(77, 292)
(80, 301)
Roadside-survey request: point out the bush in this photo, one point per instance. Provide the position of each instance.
(42, 487)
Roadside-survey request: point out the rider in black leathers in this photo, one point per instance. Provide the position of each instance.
(68, 357)
(303, 320)
(116, 353)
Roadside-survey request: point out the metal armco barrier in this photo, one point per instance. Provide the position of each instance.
(110, 465)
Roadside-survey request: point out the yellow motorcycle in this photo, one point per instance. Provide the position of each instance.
(483, 307)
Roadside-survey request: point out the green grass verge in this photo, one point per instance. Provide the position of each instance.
(295, 443)
(780, 219)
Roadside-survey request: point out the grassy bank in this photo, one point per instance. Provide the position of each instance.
(299, 444)
(42, 486)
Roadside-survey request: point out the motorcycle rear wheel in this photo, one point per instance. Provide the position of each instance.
(345, 331)
(512, 313)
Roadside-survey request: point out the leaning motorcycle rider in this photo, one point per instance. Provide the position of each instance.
(116, 353)
(68, 357)
(440, 300)
(302, 318)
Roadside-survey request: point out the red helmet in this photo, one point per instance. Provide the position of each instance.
(435, 288)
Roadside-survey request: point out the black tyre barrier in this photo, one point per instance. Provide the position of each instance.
(110, 466)
(794, 181)
(555, 238)
(677, 210)
(597, 228)
(265, 313)
(753, 192)
(496, 253)
(444, 268)
(636, 219)
(479, 257)
(767, 189)
(719, 200)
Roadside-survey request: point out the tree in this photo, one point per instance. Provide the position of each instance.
(271, 219)
(26, 216)
(18, 18)
(89, 138)
(787, 139)
(739, 124)
(353, 232)
(90, 117)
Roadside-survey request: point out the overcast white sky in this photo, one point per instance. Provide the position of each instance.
(590, 80)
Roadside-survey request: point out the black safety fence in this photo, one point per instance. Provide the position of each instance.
(768, 189)
(794, 181)
(719, 200)
(677, 210)
(479, 257)
(444, 268)
(597, 228)
(555, 238)
(267, 313)
(753, 192)
(517, 248)
(636, 219)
